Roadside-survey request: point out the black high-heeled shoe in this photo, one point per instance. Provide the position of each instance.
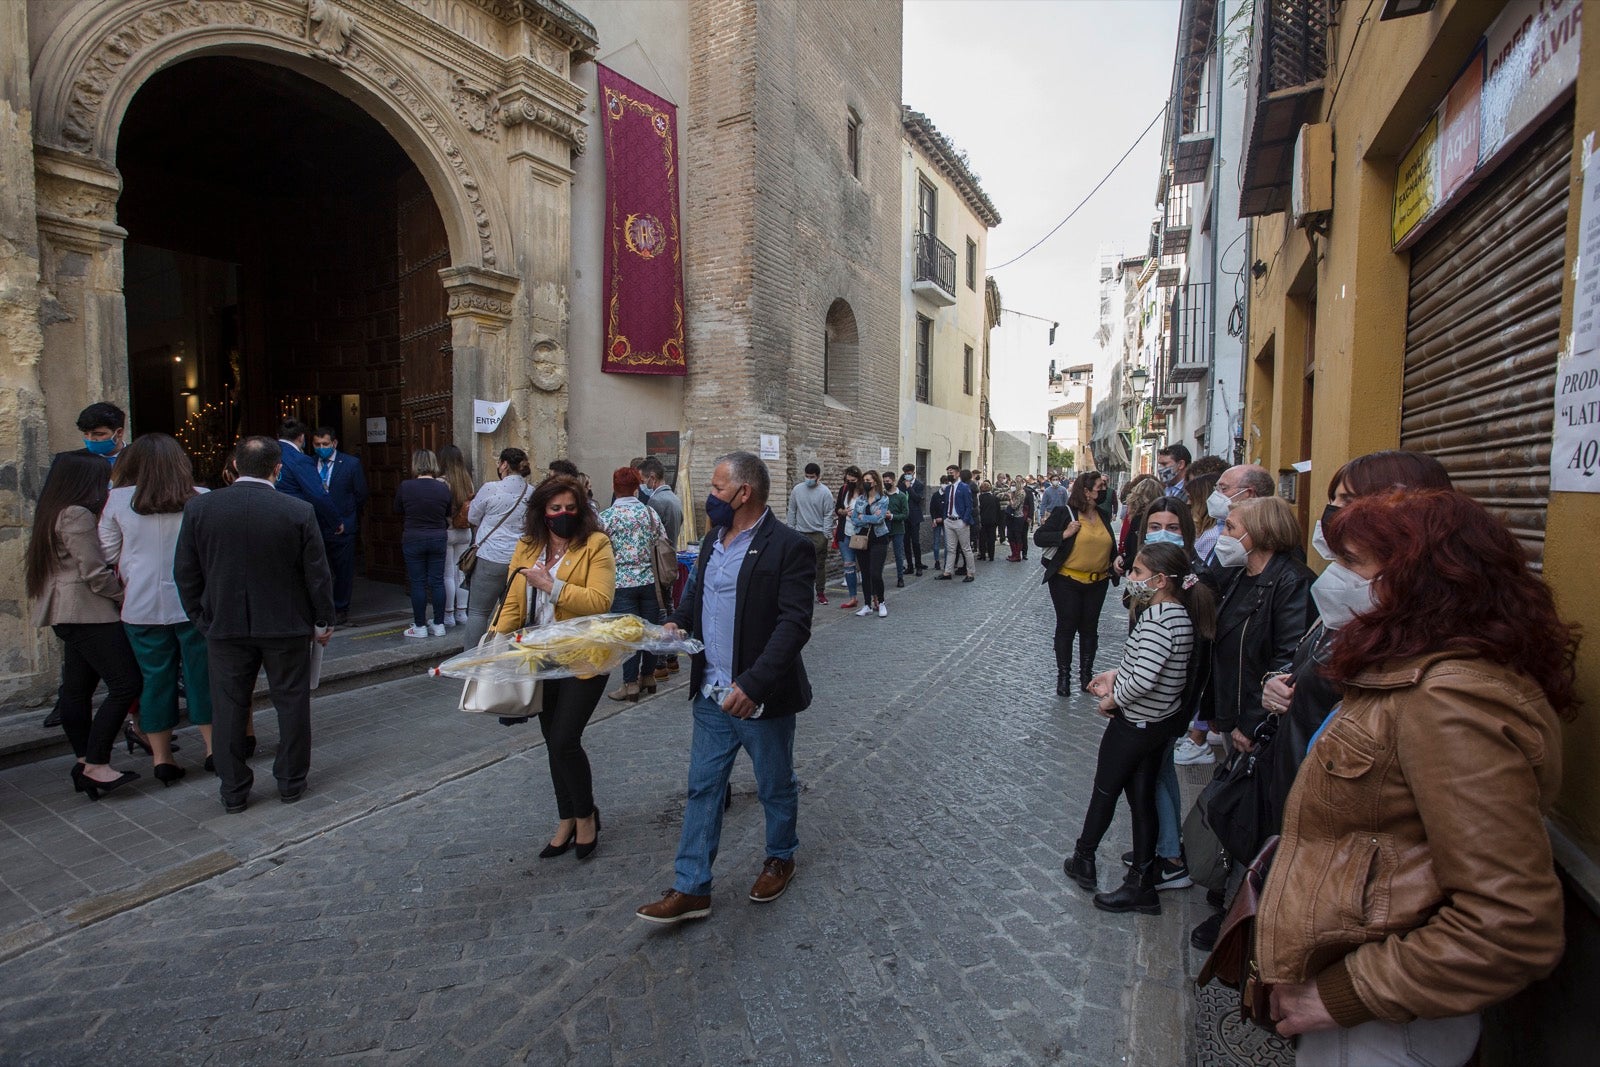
(585, 851)
(77, 777)
(134, 738)
(552, 851)
(167, 773)
(97, 789)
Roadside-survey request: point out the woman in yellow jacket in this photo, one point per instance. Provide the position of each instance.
(562, 569)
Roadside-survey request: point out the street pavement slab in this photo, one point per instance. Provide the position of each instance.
(400, 913)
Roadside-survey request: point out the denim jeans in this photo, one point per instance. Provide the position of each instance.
(637, 600)
(1169, 810)
(718, 737)
(938, 547)
(425, 572)
(848, 555)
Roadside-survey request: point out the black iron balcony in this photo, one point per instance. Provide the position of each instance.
(1287, 68)
(935, 275)
(1175, 222)
(1189, 351)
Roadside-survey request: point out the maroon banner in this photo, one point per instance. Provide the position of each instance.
(644, 253)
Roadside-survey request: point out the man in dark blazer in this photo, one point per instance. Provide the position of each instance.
(750, 603)
(299, 477)
(960, 515)
(346, 485)
(252, 575)
(917, 495)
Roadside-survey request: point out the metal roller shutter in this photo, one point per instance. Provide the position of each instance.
(1483, 333)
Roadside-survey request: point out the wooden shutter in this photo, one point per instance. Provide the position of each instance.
(1483, 333)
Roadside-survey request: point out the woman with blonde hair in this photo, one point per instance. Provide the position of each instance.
(453, 469)
(1136, 499)
(1206, 527)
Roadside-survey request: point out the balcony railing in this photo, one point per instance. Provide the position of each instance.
(1189, 354)
(1194, 137)
(1287, 68)
(935, 276)
(1175, 222)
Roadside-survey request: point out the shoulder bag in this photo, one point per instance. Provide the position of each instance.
(663, 559)
(1233, 961)
(1049, 558)
(509, 700)
(1236, 802)
(469, 556)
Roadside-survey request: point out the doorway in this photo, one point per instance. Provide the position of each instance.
(282, 259)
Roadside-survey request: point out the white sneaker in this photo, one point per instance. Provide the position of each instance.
(865, 611)
(449, 619)
(1189, 754)
(416, 631)
(1213, 738)
(436, 629)
(883, 611)
(461, 617)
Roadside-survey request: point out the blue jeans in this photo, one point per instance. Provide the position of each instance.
(718, 737)
(848, 555)
(637, 600)
(425, 572)
(938, 548)
(1169, 807)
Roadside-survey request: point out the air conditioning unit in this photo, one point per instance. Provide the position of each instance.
(1311, 192)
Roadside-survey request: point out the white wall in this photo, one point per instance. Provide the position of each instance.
(647, 43)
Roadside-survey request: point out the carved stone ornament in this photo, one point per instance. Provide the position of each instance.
(481, 303)
(548, 368)
(477, 108)
(329, 27)
(143, 26)
(569, 129)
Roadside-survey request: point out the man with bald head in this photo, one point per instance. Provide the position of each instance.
(1237, 484)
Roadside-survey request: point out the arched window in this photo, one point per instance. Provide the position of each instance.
(841, 363)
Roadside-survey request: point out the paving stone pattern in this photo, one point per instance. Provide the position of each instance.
(929, 921)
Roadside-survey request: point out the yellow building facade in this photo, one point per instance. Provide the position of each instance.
(1416, 189)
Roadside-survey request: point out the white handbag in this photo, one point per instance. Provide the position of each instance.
(509, 700)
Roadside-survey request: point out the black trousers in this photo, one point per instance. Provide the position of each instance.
(234, 666)
(1129, 763)
(342, 562)
(95, 652)
(986, 534)
(1018, 535)
(872, 561)
(568, 705)
(914, 543)
(1077, 615)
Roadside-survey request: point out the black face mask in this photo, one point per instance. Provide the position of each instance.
(563, 525)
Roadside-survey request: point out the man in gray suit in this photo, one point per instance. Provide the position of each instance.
(253, 576)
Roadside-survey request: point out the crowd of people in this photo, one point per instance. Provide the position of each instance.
(1383, 705)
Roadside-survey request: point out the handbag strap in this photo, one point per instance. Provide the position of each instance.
(503, 518)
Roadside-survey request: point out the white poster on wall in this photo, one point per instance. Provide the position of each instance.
(769, 446)
(486, 414)
(1575, 444)
(377, 431)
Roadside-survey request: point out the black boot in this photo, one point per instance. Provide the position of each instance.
(1081, 869)
(1063, 682)
(1138, 892)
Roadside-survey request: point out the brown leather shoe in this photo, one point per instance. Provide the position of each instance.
(775, 875)
(675, 907)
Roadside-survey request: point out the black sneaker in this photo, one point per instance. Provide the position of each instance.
(1171, 875)
(1204, 936)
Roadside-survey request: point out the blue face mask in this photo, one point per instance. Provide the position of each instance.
(101, 448)
(812, 482)
(644, 493)
(719, 511)
(325, 451)
(1164, 537)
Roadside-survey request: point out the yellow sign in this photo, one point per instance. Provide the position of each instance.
(1416, 189)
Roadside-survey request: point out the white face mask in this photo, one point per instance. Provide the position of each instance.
(1217, 504)
(1319, 542)
(1341, 595)
(1231, 551)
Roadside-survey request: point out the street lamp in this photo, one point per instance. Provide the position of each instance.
(1139, 378)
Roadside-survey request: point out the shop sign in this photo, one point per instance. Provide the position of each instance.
(1575, 444)
(1520, 73)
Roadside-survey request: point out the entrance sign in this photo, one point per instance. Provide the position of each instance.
(486, 414)
(377, 431)
(1575, 444)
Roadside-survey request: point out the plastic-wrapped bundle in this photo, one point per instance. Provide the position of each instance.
(577, 648)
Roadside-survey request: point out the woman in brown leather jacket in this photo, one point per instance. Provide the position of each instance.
(1413, 885)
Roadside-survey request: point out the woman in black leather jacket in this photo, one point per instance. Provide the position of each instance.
(1265, 610)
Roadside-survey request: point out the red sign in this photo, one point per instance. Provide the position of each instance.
(1459, 128)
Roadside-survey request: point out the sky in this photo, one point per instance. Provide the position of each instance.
(1044, 96)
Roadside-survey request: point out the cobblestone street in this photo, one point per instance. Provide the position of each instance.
(929, 921)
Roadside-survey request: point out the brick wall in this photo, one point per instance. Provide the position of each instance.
(778, 228)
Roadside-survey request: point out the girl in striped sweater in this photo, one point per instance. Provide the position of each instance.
(1144, 699)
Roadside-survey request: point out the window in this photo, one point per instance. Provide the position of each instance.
(927, 208)
(841, 344)
(924, 457)
(852, 141)
(966, 460)
(924, 358)
(966, 369)
(972, 267)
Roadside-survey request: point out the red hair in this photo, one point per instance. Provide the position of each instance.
(1453, 579)
(624, 481)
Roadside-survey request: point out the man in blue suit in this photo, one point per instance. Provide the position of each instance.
(346, 485)
(959, 515)
(299, 478)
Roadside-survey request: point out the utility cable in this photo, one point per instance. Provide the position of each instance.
(1090, 196)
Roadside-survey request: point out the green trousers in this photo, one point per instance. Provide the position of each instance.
(162, 651)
